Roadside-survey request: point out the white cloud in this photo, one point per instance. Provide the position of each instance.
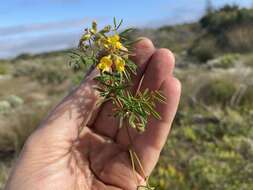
(50, 42)
(40, 37)
(40, 27)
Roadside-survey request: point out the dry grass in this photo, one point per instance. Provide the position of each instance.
(248, 61)
(240, 38)
(13, 135)
(216, 86)
(4, 171)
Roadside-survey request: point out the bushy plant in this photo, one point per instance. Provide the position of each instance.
(23, 56)
(15, 101)
(239, 38)
(24, 123)
(176, 38)
(207, 156)
(248, 61)
(225, 61)
(5, 106)
(226, 17)
(25, 69)
(247, 98)
(3, 69)
(217, 91)
(4, 170)
(50, 75)
(204, 49)
(43, 73)
(232, 26)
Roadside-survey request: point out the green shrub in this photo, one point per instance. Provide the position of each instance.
(208, 156)
(239, 38)
(225, 61)
(226, 17)
(15, 101)
(13, 138)
(4, 170)
(232, 26)
(50, 76)
(177, 38)
(247, 98)
(228, 60)
(5, 106)
(248, 61)
(3, 70)
(23, 56)
(48, 73)
(204, 49)
(216, 92)
(25, 70)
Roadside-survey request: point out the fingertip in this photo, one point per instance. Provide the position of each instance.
(170, 54)
(171, 87)
(165, 56)
(159, 68)
(142, 51)
(144, 43)
(176, 85)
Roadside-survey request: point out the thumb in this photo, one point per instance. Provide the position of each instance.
(57, 133)
(66, 120)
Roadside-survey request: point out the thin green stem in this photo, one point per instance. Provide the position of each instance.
(134, 156)
(139, 85)
(140, 165)
(133, 165)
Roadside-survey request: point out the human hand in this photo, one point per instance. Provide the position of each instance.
(80, 147)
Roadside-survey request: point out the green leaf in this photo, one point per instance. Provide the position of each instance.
(115, 22)
(126, 31)
(160, 97)
(120, 23)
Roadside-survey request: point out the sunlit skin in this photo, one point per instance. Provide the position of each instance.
(80, 147)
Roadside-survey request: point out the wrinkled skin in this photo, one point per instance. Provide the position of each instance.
(79, 146)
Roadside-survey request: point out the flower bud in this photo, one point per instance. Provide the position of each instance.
(106, 29)
(94, 26)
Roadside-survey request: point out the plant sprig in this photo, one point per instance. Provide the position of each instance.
(108, 50)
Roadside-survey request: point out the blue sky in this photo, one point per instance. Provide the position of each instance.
(44, 25)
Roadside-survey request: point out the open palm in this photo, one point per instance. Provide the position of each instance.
(80, 147)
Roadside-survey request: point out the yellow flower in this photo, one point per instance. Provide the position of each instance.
(114, 42)
(105, 64)
(113, 39)
(118, 45)
(120, 64)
